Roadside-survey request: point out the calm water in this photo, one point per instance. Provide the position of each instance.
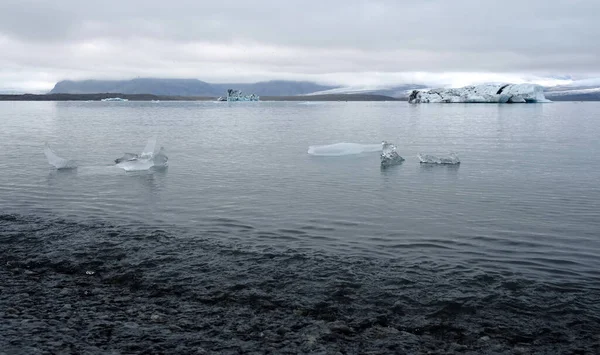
(524, 199)
(248, 245)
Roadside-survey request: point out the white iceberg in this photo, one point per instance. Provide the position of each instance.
(114, 99)
(487, 93)
(389, 155)
(56, 161)
(339, 149)
(147, 159)
(451, 159)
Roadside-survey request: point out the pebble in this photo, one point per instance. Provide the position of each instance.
(340, 327)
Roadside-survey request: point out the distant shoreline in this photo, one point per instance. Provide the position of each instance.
(150, 97)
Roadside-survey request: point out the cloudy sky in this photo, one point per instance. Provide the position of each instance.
(351, 42)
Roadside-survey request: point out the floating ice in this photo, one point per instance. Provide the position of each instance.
(125, 157)
(56, 161)
(339, 149)
(149, 148)
(146, 160)
(389, 155)
(114, 99)
(237, 95)
(136, 164)
(161, 159)
(487, 93)
(452, 159)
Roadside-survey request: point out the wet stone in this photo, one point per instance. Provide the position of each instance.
(298, 303)
(340, 327)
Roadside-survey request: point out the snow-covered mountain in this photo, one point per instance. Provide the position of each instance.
(578, 90)
(399, 91)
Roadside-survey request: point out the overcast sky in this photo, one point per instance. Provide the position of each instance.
(351, 42)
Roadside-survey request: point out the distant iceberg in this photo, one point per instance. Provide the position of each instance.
(147, 159)
(451, 159)
(114, 99)
(389, 155)
(339, 149)
(487, 93)
(56, 161)
(237, 95)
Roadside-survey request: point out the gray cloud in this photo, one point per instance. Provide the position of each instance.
(50, 40)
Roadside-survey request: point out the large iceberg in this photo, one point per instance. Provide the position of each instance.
(389, 155)
(147, 159)
(56, 161)
(451, 159)
(339, 149)
(487, 93)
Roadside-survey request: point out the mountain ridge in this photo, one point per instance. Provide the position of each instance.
(186, 87)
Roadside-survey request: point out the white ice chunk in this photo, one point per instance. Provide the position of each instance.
(149, 148)
(487, 93)
(136, 164)
(56, 161)
(146, 160)
(160, 159)
(114, 99)
(389, 155)
(451, 158)
(339, 149)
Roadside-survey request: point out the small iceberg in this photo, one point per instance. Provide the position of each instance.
(339, 149)
(237, 95)
(56, 161)
(389, 155)
(147, 159)
(114, 99)
(450, 159)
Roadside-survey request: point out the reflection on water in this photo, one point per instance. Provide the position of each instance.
(451, 168)
(55, 174)
(150, 182)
